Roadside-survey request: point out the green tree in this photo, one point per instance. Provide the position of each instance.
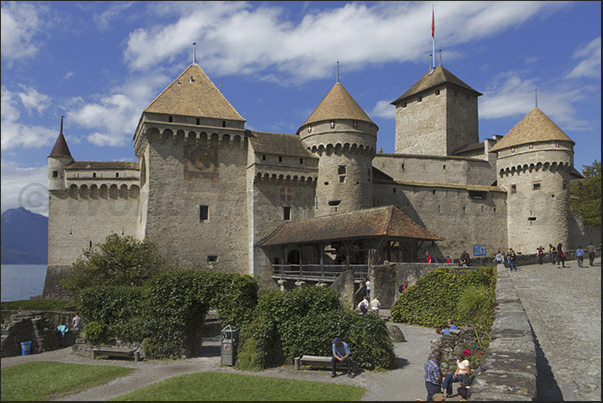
(121, 260)
(585, 201)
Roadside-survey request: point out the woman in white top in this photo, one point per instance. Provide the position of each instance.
(459, 375)
(368, 288)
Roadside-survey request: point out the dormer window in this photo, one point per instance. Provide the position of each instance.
(170, 118)
(332, 124)
(531, 146)
(355, 124)
(556, 144)
(309, 129)
(223, 123)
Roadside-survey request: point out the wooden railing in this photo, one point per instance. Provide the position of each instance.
(316, 271)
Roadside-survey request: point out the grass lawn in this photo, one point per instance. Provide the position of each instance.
(47, 379)
(230, 387)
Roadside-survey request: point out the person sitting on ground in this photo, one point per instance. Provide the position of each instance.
(451, 324)
(76, 322)
(341, 353)
(459, 375)
(364, 305)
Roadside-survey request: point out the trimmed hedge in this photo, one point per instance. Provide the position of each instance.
(305, 321)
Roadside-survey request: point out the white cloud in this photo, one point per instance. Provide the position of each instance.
(384, 109)
(104, 19)
(115, 116)
(244, 39)
(32, 99)
(24, 187)
(15, 134)
(591, 65)
(19, 25)
(512, 96)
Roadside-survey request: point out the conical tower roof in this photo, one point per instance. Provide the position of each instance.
(60, 149)
(432, 78)
(337, 104)
(193, 94)
(534, 127)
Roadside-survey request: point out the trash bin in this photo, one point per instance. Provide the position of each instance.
(228, 348)
(25, 347)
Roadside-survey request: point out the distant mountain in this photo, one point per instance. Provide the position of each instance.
(24, 237)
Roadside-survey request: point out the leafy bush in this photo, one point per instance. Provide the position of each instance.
(95, 332)
(150, 348)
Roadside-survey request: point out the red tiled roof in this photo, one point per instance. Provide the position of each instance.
(386, 221)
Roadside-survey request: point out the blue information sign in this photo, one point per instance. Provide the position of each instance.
(479, 250)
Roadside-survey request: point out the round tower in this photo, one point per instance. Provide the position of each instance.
(344, 138)
(534, 163)
(59, 157)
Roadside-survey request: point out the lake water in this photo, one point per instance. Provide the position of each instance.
(22, 281)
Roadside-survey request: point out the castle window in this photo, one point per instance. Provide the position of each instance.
(433, 191)
(286, 213)
(198, 121)
(474, 194)
(495, 209)
(512, 149)
(556, 144)
(263, 157)
(212, 258)
(463, 208)
(280, 158)
(203, 213)
(90, 245)
(355, 124)
(301, 160)
(342, 179)
(70, 230)
(170, 118)
(444, 166)
(404, 105)
(223, 123)
(117, 174)
(309, 129)
(332, 124)
(55, 174)
(394, 189)
(420, 99)
(536, 186)
(437, 92)
(531, 218)
(341, 170)
(334, 202)
(94, 174)
(531, 146)
(402, 166)
(326, 183)
(513, 188)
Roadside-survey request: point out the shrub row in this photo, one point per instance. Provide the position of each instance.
(168, 310)
(305, 321)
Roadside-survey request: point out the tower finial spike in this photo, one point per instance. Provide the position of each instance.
(440, 56)
(337, 72)
(536, 96)
(61, 124)
(194, 52)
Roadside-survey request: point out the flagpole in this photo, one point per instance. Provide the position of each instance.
(433, 34)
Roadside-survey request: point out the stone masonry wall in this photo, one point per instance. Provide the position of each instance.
(509, 371)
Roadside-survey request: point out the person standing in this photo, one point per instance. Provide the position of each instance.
(579, 256)
(368, 288)
(592, 251)
(552, 253)
(433, 376)
(464, 260)
(511, 255)
(540, 250)
(560, 254)
(499, 258)
(76, 322)
(341, 353)
(428, 258)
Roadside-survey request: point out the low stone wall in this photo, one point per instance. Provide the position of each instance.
(509, 369)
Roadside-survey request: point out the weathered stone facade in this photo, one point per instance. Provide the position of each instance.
(208, 191)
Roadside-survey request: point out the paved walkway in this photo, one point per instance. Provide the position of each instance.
(564, 309)
(403, 383)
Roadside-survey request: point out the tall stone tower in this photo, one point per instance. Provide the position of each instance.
(344, 138)
(534, 162)
(59, 157)
(437, 115)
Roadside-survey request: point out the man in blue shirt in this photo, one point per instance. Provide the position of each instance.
(341, 352)
(580, 255)
(433, 376)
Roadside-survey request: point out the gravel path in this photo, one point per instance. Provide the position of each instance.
(564, 309)
(403, 383)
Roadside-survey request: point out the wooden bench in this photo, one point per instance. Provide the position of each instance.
(116, 352)
(322, 362)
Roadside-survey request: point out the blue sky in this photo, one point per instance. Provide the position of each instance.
(101, 63)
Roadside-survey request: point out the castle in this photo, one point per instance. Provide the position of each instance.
(211, 193)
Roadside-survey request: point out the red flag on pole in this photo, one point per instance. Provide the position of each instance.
(432, 22)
